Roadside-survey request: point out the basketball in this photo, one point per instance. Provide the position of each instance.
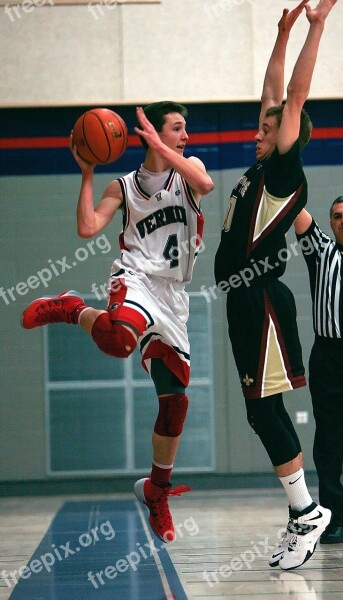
(100, 136)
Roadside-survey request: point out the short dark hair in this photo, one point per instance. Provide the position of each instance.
(157, 111)
(337, 201)
(305, 122)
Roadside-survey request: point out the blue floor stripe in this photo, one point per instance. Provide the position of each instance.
(97, 550)
(172, 577)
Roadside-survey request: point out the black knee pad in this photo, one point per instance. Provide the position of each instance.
(259, 415)
(270, 421)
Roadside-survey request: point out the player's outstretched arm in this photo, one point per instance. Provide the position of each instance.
(191, 169)
(299, 86)
(273, 85)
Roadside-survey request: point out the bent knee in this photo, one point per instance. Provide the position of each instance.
(114, 339)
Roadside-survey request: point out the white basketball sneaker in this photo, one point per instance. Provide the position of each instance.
(305, 528)
(280, 549)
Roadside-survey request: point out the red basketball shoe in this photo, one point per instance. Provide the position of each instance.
(156, 499)
(58, 309)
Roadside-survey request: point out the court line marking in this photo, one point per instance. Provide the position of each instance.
(160, 569)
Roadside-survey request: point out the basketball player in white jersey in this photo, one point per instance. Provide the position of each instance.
(147, 303)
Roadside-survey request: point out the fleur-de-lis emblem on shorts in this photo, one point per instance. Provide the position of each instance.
(247, 380)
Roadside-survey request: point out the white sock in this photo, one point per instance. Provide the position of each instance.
(81, 313)
(162, 466)
(296, 490)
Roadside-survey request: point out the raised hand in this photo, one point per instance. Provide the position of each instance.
(320, 12)
(289, 17)
(147, 130)
(83, 164)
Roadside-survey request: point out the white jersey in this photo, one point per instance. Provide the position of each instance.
(162, 232)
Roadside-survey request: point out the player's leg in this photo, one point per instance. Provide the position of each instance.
(173, 405)
(307, 521)
(64, 308)
(270, 421)
(165, 355)
(115, 330)
(154, 491)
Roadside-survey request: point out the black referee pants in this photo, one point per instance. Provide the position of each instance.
(326, 387)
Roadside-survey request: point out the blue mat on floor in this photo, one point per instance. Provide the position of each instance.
(97, 550)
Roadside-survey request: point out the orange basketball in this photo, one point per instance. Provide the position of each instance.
(100, 135)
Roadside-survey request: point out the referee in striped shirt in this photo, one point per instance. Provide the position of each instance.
(324, 259)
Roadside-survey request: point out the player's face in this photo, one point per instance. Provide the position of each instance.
(336, 222)
(266, 137)
(174, 133)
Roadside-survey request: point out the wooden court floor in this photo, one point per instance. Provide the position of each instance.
(221, 551)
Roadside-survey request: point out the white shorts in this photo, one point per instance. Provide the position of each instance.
(164, 305)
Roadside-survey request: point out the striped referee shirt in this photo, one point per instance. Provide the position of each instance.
(324, 259)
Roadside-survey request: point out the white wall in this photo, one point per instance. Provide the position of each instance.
(182, 49)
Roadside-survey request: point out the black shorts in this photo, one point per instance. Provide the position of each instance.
(265, 340)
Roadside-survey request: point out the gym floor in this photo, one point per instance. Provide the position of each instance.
(101, 547)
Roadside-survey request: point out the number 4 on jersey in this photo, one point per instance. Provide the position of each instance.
(171, 251)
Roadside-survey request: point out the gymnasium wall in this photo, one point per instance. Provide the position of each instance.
(194, 50)
(59, 60)
(39, 187)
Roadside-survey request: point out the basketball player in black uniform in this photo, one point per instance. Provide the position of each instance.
(250, 259)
